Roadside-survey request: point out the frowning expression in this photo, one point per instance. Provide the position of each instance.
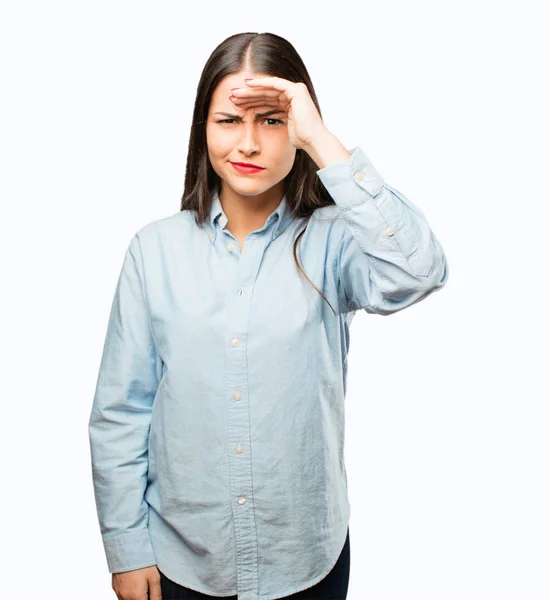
(256, 135)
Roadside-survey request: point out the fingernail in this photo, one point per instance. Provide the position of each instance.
(251, 79)
(231, 97)
(234, 89)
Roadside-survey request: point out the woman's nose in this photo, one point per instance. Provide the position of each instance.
(249, 138)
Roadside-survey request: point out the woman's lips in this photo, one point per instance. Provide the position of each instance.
(246, 170)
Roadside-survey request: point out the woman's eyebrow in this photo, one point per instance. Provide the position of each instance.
(258, 115)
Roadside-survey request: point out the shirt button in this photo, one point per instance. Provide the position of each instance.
(211, 236)
(230, 246)
(237, 395)
(235, 341)
(239, 449)
(241, 500)
(389, 231)
(358, 176)
(276, 232)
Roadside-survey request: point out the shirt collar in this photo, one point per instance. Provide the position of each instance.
(281, 215)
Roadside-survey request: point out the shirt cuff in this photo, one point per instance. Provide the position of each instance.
(129, 551)
(348, 180)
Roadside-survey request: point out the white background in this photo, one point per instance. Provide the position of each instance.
(447, 444)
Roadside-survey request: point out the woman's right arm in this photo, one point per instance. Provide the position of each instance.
(119, 423)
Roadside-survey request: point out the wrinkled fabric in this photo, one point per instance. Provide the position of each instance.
(217, 425)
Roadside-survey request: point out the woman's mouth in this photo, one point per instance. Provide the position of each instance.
(246, 170)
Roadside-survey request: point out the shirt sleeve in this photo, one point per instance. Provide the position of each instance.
(120, 419)
(388, 258)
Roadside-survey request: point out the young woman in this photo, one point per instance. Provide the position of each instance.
(217, 427)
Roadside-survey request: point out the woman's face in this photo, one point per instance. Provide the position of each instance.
(246, 138)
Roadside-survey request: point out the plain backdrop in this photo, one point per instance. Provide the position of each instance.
(447, 411)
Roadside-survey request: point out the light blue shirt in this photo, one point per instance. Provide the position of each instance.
(217, 426)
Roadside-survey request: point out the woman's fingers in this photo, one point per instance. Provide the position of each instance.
(155, 588)
(245, 103)
(247, 93)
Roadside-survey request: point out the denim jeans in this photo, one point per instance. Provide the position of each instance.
(333, 587)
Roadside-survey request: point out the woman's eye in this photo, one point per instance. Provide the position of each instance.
(276, 124)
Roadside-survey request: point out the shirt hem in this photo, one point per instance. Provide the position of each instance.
(279, 595)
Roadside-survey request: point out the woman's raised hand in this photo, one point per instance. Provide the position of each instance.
(304, 121)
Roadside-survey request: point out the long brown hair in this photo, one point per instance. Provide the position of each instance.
(272, 55)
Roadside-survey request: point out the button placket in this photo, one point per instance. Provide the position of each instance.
(238, 418)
